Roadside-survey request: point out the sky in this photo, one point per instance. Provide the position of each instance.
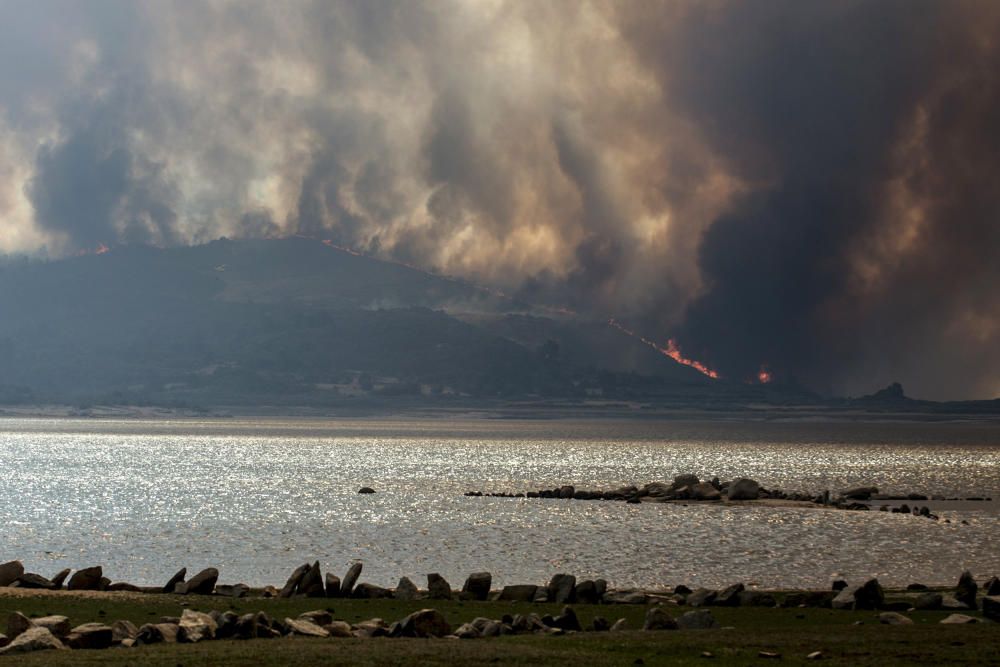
(805, 186)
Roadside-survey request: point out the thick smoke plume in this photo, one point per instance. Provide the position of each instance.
(809, 186)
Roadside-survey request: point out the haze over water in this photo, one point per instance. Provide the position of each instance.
(255, 498)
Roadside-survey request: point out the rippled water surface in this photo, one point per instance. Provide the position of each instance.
(257, 497)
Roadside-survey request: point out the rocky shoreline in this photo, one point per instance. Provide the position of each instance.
(308, 581)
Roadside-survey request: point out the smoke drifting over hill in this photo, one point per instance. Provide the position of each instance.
(806, 185)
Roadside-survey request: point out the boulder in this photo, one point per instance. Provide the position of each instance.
(700, 619)
(123, 586)
(339, 629)
(728, 597)
(196, 626)
(203, 583)
(894, 618)
(743, 489)
(619, 625)
(90, 636)
(992, 586)
(320, 617)
(232, 590)
(560, 588)
(600, 624)
(293, 581)
(406, 589)
(57, 581)
(966, 590)
(991, 607)
(959, 619)
(304, 628)
(121, 630)
(156, 633)
(700, 598)
(518, 593)
(705, 491)
(567, 620)
(654, 490)
(860, 493)
(311, 584)
(366, 490)
(332, 585)
(869, 595)
(32, 639)
(477, 585)
(586, 592)
(371, 592)
(625, 597)
(351, 578)
(32, 580)
(10, 571)
(178, 578)
(757, 599)
(425, 623)
(57, 625)
(437, 587)
(246, 627)
(658, 619)
(681, 481)
(87, 579)
(928, 601)
(105, 582)
(18, 623)
(467, 631)
(566, 491)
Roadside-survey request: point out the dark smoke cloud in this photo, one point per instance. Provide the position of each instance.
(807, 185)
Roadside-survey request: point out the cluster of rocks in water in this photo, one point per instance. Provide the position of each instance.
(689, 487)
(55, 632)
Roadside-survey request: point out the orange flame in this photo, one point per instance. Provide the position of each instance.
(671, 350)
(764, 375)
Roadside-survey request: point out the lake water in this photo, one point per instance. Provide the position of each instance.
(255, 498)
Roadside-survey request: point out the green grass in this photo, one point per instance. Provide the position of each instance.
(794, 633)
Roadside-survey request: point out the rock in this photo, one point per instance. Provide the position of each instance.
(600, 624)
(991, 607)
(477, 585)
(566, 491)
(658, 619)
(467, 631)
(916, 587)
(351, 578)
(928, 601)
(681, 589)
(246, 627)
(619, 625)
(966, 590)
(560, 588)
(320, 617)
(518, 593)
(958, 619)
(366, 490)
(203, 583)
(121, 630)
(654, 490)
(728, 597)
(437, 587)
(700, 598)
(311, 584)
(57, 625)
(293, 581)
(894, 618)
(406, 590)
(425, 623)
(10, 571)
(815, 655)
(681, 481)
(332, 585)
(305, 628)
(32, 639)
(757, 599)
(867, 596)
(123, 586)
(860, 493)
(57, 581)
(705, 491)
(992, 586)
(567, 620)
(771, 655)
(196, 626)
(87, 579)
(625, 597)
(541, 595)
(586, 592)
(232, 590)
(700, 619)
(178, 578)
(374, 627)
(270, 591)
(18, 623)
(156, 633)
(226, 623)
(90, 636)
(371, 592)
(743, 489)
(339, 629)
(838, 585)
(32, 580)
(103, 586)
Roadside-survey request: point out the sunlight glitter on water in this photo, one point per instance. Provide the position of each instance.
(256, 498)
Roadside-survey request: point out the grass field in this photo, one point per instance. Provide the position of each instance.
(793, 633)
